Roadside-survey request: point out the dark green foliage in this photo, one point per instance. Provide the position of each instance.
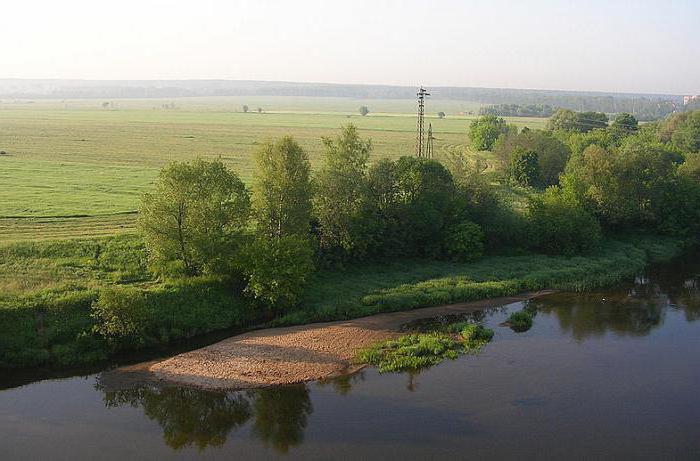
(682, 130)
(276, 271)
(588, 121)
(551, 157)
(625, 124)
(363, 110)
(422, 350)
(411, 198)
(520, 321)
(560, 225)
(523, 168)
(465, 242)
(121, 314)
(568, 120)
(484, 131)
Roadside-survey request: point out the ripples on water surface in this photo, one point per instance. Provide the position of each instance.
(612, 374)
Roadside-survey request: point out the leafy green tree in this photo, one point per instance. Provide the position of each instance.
(441, 114)
(483, 131)
(282, 189)
(691, 166)
(587, 121)
(194, 219)
(277, 269)
(551, 153)
(563, 119)
(687, 136)
(465, 242)
(424, 196)
(364, 110)
(627, 188)
(625, 123)
(342, 194)
(523, 168)
(383, 186)
(561, 225)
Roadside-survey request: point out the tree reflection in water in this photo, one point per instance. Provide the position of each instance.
(191, 417)
(635, 310)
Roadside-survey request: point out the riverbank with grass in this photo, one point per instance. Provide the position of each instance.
(85, 301)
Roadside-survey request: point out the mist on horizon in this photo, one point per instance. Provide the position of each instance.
(643, 47)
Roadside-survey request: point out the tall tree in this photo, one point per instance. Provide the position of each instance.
(195, 216)
(341, 199)
(282, 189)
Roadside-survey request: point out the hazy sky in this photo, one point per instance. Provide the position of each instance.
(637, 46)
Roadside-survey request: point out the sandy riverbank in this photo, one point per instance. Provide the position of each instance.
(292, 354)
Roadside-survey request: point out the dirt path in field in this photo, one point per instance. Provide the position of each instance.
(291, 354)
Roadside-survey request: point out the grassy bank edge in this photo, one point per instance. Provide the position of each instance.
(59, 332)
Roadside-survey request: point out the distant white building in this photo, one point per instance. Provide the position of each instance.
(688, 99)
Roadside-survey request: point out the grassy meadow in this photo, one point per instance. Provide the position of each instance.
(76, 169)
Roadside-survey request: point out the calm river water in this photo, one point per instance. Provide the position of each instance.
(612, 374)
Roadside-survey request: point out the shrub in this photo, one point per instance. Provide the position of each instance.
(465, 242)
(121, 314)
(520, 321)
(561, 226)
(524, 168)
(277, 270)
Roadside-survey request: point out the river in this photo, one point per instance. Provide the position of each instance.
(608, 374)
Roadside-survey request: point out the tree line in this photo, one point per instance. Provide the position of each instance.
(583, 178)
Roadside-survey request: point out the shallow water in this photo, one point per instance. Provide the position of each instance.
(612, 374)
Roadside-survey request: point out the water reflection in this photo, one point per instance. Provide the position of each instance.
(201, 419)
(632, 310)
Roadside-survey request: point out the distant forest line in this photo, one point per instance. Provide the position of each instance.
(643, 106)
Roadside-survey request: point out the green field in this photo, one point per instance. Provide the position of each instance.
(74, 168)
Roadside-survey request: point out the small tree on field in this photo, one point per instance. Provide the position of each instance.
(193, 220)
(260, 110)
(245, 108)
(364, 110)
(441, 114)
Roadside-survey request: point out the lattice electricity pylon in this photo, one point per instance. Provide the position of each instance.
(422, 94)
(429, 142)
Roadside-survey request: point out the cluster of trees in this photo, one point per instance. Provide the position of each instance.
(600, 176)
(581, 183)
(518, 110)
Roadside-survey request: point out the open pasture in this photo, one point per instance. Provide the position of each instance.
(70, 165)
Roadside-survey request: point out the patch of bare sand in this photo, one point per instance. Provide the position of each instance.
(292, 354)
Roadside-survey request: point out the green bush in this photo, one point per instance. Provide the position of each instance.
(122, 314)
(520, 321)
(276, 270)
(465, 242)
(560, 226)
